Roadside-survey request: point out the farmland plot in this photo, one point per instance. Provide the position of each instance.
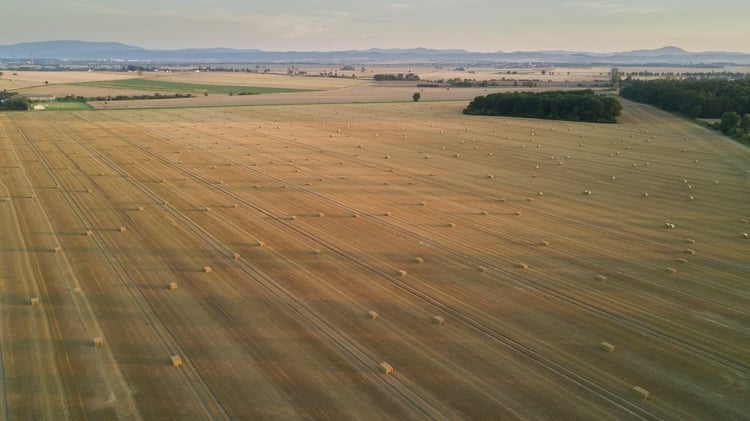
(371, 261)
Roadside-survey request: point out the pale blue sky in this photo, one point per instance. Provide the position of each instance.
(477, 25)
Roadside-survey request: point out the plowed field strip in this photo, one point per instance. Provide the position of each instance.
(580, 302)
(202, 392)
(356, 353)
(480, 327)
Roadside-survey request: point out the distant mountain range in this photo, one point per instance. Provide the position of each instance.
(79, 51)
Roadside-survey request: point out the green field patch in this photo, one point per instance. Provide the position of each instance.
(64, 106)
(192, 88)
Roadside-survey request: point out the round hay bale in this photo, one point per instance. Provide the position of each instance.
(522, 266)
(261, 243)
(607, 346)
(601, 278)
(451, 225)
(373, 315)
(122, 229)
(207, 269)
(682, 260)
(745, 235)
(544, 243)
(418, 260)
(689, 251)
(671, 270)
(641, 392)
(316, 252)
(438, 320)
(385, 368)
(517, 213)
(481, 269)
(321, 215)
(402, 273)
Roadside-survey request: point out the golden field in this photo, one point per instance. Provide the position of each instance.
(263, 261)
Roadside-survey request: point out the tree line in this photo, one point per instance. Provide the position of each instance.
(392, 76)
(581, 105)
(728, 100)
(692, 98)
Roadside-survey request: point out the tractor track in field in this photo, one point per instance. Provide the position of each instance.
(457, 312)
(639, 326)
(193, 378)
(476, 325)
(354, 352)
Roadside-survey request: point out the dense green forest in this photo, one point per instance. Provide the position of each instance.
(582, 105)
(10, 101)
(728, 100)
(693, 98)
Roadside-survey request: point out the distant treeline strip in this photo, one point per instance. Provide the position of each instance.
(71, 98)
(693, 98)
(582, 105)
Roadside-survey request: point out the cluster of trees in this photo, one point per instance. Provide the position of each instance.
(734, 125)
(73, 98)
(693, 98)
(10, 101)
(391, 76)
(583, 105)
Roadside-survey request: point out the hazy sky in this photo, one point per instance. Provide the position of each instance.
(477, 25)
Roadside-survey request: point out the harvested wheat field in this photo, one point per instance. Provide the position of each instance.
(371, 261)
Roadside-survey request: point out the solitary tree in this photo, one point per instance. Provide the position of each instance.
(416, 97)
(729, 122)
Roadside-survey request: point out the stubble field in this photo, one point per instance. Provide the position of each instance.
(497, 255)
